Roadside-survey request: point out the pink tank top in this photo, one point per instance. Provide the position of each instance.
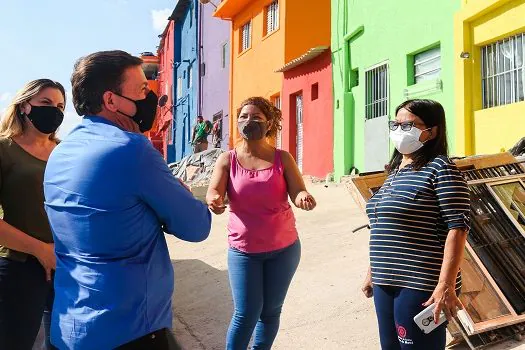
(261, 218)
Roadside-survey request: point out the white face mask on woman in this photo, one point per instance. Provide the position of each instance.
(407, 142)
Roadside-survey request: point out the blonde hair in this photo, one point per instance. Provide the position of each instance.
(13, 122)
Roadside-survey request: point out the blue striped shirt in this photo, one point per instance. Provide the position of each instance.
(410, 217)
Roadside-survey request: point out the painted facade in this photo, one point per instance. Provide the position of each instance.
(489, 58)
(162, 130)
(215, 54)
(257, 52)
(374, 71)
(307, 105)
(186, 77)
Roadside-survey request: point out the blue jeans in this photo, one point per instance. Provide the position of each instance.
(259, 284)
(395, 309)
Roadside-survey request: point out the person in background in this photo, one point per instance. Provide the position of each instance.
(419, 221)
(216, 133)
(264, 245)
(201, 130)
(27, 258)
(109, 197)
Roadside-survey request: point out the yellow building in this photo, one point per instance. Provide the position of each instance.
(490, 75)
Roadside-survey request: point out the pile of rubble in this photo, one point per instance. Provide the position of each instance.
(196, 170)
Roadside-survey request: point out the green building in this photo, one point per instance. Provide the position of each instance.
(384, 52)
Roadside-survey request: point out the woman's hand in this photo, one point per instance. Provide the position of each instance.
(46, 256)
(216, 204)
(305, 201)
(446, 300)
(367, 288)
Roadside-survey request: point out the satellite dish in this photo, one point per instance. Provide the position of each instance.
(163, 100)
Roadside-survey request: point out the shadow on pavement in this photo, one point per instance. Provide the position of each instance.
(202, 305)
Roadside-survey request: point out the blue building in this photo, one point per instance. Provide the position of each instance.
(186, 71)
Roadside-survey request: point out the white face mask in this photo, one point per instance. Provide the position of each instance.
(407, 142)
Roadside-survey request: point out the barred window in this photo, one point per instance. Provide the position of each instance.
(272, 17)
(503, 71)
(377, 94)
(246, 36)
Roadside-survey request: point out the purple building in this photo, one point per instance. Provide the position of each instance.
(215, 71)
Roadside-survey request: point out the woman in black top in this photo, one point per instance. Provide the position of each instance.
(419, 220)
(27, 259)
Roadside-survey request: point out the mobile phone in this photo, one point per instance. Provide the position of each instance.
(425, 319)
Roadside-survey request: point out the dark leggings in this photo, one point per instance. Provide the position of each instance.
(395, 309)
(24, 295)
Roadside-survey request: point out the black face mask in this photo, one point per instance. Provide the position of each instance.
(146, 111)
(45, 119)
(253, 130)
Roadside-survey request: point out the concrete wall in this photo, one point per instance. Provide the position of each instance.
(479, 23)
(318, 128)
(390, 31)
(215, 82)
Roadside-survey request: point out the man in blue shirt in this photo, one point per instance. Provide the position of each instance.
(109, 197)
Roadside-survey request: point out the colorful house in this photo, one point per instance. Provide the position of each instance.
(307, 105)
(162, 132)
(215, 78)
(489, 58)
(384, 52)
(187, 70)
(265, 36)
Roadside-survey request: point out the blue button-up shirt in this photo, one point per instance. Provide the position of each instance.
(109, 196)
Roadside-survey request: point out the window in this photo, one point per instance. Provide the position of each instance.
(272, 17)
(427, 65)
(376, 90)
(191, 14)
(503, 71)
(190, 77)
(246, 36)
(315, 91)
(225, 55)
(179, 87)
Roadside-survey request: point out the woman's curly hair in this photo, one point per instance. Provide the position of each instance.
(272, 113)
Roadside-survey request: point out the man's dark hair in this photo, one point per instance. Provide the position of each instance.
(200, 117)
(97, 73)
(432, 114)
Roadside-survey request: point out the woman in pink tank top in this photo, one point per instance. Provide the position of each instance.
(264, 246)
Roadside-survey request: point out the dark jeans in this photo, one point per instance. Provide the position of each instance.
(395, 309)
(24, 294)
(159, 340)
(259, 284)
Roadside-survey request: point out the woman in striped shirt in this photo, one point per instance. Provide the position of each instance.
(419, 220)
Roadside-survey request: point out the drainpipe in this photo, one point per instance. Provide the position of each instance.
(232, 107)
(199, 53)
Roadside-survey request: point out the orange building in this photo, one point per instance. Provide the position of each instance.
(265, 36)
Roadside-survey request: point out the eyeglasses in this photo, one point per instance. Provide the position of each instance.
(393, 125)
